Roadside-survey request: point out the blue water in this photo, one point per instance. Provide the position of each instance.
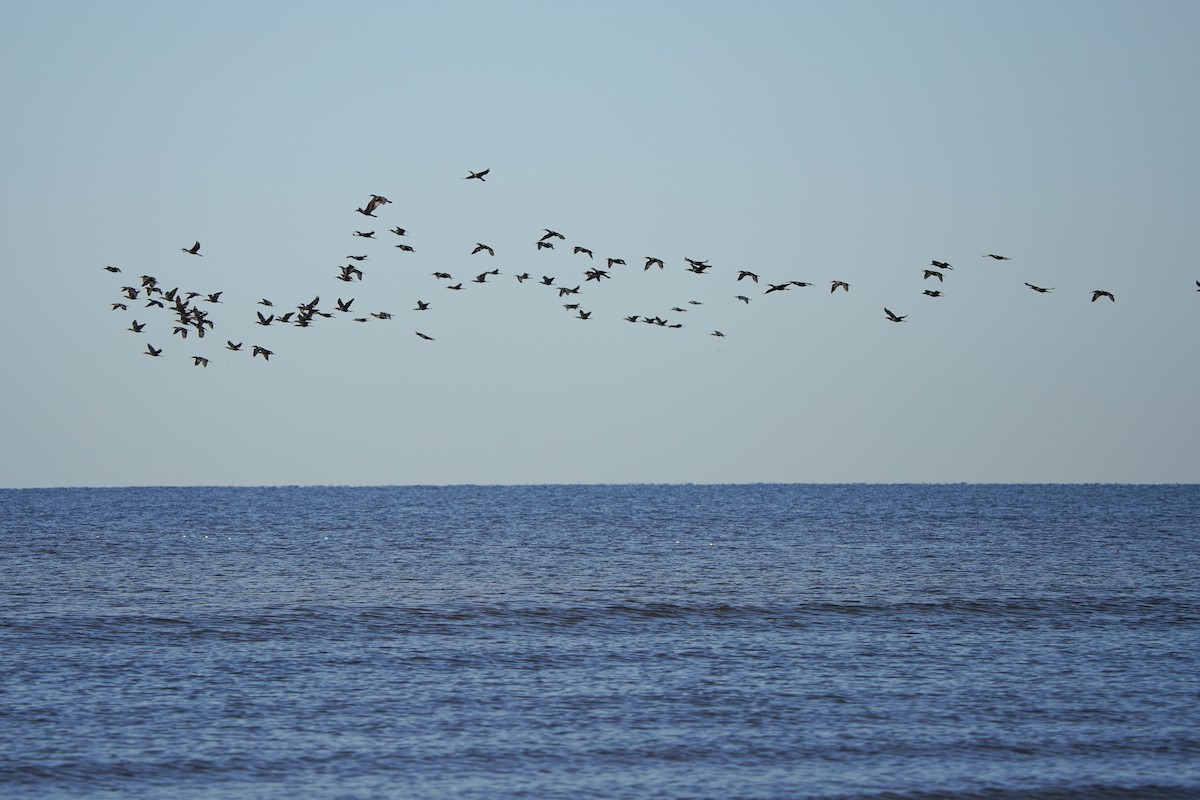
(765, 641)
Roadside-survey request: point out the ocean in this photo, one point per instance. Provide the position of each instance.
(907, 642)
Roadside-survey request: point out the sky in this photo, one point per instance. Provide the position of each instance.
(800, 141)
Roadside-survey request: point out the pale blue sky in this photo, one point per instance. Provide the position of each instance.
(802, 141)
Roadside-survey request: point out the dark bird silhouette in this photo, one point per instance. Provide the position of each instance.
(778, 287)
(366, 212)
(893, 317)
(699, 268)
(262, 351)
(215, 297)
(130, 292)
(743, 298)
(1098, 293)
(579, 249)
(375, 202)
(265, 302)
(596, 275)
(264, 320)
(940, 264)
(481, 277)
(194, 250)
(229, 345)
(421, 306)
(544, 245)
(151, 351)
(136, 326)
(998, 258)
(423, 336)
(693, 262)
(366, 234)
(745, 273)
(381, 315)
(480, 246)
(562, 290)
(933, 273)
(200, 361)
(633, 318)
(183, 332)
(399, 231)
(153, 302)
(716, 333)
(456, 287)
(357, 258)
(1198, 286)
(524, 276)
(477, 175)
(112, 269)
(547, 280)
(651, 261)
(835, 285)
(119, 307)
(552, 235)
(612, 262)
(344, 305)
(584, 314)
(1039, 289)
(932, 293)
(441, 275)
(801, 284)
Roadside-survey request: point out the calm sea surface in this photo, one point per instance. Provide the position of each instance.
(765, 641)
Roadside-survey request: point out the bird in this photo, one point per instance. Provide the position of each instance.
(745, 273)
(200, 361)
(477, 175)
(699, 268)
(579, 249)
(480, 246)
(932, 293)
(423, 336)
(651, 261)
(421, 306)
(265, 302)
(366, 212)
(940, 265)
(835, 285)
(344, 305)
(743, 298)
(112, 269)
(375, 202)
(357, 258)
(614, 261)
(562, 290)
(552, 235)
(183, 332)
(264, 320)
(194, 250)
(456, 287)
(262, 351)
(933, 273)
(136, 326)
(151, 351)
(481, 277)
(778, 287)
(1198, 286)
(801, 284)
(693, 262)
(998, 258)
(381, 315)
(229, 345)
(597, 274)
(215, 297)
(584, 314)
(716, 333)
(1038, 289)
(547, 280)
(441, 275)
(893, 317)
(119, 307)
(399, 231)
(366, 234)
(524, 276)
(404, 248)
(544, 245)
(1098, 293)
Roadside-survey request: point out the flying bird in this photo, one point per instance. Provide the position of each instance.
(1039, 289)
(112, 269)
(893, 317)
(651, 261)
(477, 175)
(747, 274)
(480, 246)
(552, 235)
(262, 351)
(544, 245)
(932, 273)
(579, 249)
(200, 361)
(423, 336)
(940, 265)
(835, 285)
(399, 231)
(194, 250)
(136, 326)
(998, 258)
(150, 351)
(1098, 293)
(365, 235)
(229, 345)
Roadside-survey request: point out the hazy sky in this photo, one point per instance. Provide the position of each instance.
(801, 141)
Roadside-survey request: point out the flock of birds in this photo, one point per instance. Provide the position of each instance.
(190, 312)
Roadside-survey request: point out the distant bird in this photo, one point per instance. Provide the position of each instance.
(404, 248)
(215, 297)
(366, 211)
(264, 320)
(441, 275)
(562, 290)
(932, 273)
(112, 269)
(381, 315)
(456, 287)
(365, 235)
(695, 303)
(584, 314)
(835, 285)
(579, 249)
(940, 264)
(1098, 293)
(194, 250)
(1198, 286)
(1039, 289)
(612, 262)
(399, 231)
(932, 293)
(477, 175)
(136, 326)
(423, 336)
(479, 246)
(893, 317)
(743, 298)
(119, 307)
(375, 202)
(262, 351)
(183, 332)
(344, 305)
(998, 258)
(357, 258)
(633, 318)
(229, 345)
(547, 280)
(801, 284)
(150, 351)
(200, 361)
(153, 302)
(694, 263)
(544, 245)
(265, 302)
(552, 235)
(716, 333)
(778, 287)
(524, 276)
(421, 306)
(744, 273)
(650, 261)
(481, 277)
(596, 275)
(699, 268)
